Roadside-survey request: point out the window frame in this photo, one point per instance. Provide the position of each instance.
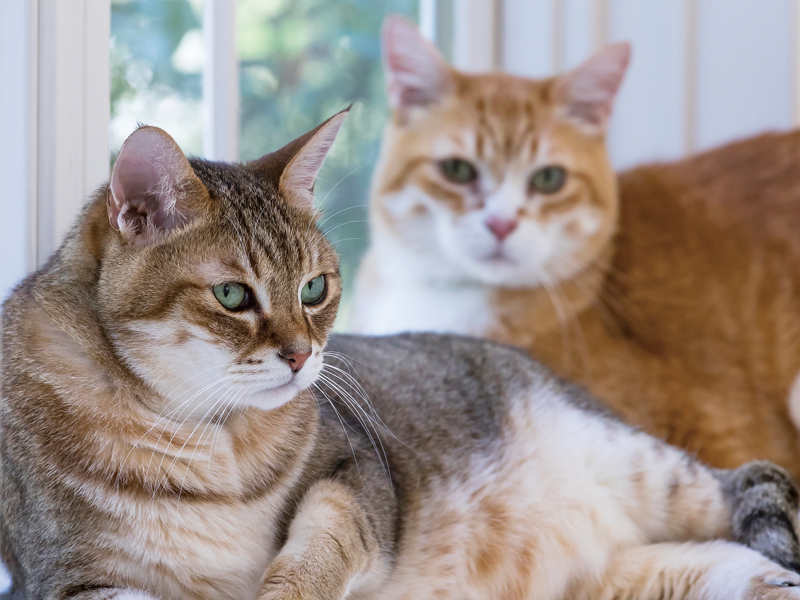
(54, 133)
(57, 56)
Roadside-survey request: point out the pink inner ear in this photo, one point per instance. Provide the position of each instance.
(589, 90)
(416, 72)
(146, 182)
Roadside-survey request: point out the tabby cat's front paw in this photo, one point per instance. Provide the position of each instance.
(749, 577)
(774, 583)
(780, 586)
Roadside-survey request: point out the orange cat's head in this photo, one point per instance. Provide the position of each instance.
(494, 178)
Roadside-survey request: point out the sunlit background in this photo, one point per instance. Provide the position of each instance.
(703, 72)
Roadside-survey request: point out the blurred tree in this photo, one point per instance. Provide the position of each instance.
(149, 81)
(302, 61)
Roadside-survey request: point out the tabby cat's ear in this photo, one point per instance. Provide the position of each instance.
(153, 187)
(416, 74)
(587, 92)
(295, 166)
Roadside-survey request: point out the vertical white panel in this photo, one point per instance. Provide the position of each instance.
(73, 112)
(427, 18)
(744, 68)
(581, 22)
(17, 143)
(796, 63)
(476, 39)
(96, 93)
(531, 36)
(220, 81)
(649, 115)
(690, 34)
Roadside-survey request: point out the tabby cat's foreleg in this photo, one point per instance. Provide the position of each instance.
(764, 503)
(339, 541)
(692, 571)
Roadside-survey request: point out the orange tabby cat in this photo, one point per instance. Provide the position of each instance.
(673, 294)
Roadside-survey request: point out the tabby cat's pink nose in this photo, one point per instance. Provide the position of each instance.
(295, 360)
(501, 228)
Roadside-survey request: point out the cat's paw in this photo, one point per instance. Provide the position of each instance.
(774, 583)
(746, 575)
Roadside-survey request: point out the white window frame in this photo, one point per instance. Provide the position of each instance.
(54, 129)
(477, 34)
(220, 81)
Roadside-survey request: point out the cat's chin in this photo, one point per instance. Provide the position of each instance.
(272, 390)
(503, 271)
(272, 397)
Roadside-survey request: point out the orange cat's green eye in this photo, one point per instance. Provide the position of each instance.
(548, 180)
(458, 170)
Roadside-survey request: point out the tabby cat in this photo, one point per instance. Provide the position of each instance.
(175, 425)
(673, 294)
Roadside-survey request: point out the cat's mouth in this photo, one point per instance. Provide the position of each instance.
(498, 256)
(268, 395)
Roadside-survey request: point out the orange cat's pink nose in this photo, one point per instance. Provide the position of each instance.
(295, 360)
(501, 228)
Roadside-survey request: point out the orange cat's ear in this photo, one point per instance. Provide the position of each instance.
(294, 167)
(587, 92)
(153, 187)
(416, 74)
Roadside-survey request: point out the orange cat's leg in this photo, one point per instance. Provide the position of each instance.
(691, 571)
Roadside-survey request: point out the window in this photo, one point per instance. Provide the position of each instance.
(156, 69)
(236, 78)
(301, 62)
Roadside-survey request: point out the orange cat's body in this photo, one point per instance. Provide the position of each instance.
(672, 292)
(693, 330)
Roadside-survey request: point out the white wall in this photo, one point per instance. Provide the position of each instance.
(54, 113)
(17, 251)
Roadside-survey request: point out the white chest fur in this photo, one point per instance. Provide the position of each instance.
(415, 306)
(400, 291)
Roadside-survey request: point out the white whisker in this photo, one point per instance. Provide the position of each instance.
(358, 411)
(318, 207)
(344, 428)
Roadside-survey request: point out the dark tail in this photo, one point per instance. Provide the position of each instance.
(764, 501)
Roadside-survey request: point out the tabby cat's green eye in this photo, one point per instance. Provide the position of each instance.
(458, 170)
(548, 180)
(313, 292)
(233, 296)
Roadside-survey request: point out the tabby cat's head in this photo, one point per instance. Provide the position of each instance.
(495, 178)
(218, 288)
